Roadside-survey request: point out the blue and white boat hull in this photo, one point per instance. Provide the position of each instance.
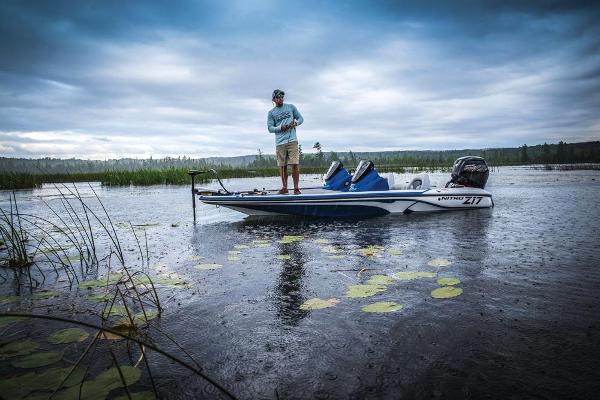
(320, 203)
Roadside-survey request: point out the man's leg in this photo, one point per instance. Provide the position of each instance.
(284, 178)
(296, 177)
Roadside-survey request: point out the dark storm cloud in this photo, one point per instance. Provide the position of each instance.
(194, 77)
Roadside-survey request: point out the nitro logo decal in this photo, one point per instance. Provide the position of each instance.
(280, 117)
(464, 199)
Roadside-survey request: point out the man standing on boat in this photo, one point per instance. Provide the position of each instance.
(282, 120)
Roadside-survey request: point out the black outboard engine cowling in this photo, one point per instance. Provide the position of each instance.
(470, 171)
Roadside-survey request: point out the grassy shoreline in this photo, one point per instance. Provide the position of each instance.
(179, 176)
(166, 176)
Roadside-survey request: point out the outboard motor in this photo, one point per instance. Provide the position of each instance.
(337, 177)
(366, 178)
(469, 171)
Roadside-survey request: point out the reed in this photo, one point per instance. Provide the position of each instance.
(171, 176)
(128, 290)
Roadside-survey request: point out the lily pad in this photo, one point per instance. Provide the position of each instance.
(100, 387)
(283, 257)
(439, 262)
(100, 298)
(68, 335)
(381, 280)
(446, 292)
(371, 251)
(172, 281)
(234, 252)
(109, 279)
(261, 243)
(17, 387)
(194, 258)
(241, 246)
(233, 258)
(46, 294)
(321, 241)
(9, 299)
(146, 395)
(336, 256)
(115, 311)
(330, 249)
(208, 266)
(317, 304)
(139, 319)
(412, 275)
(450, 281)
(18, 348)
(382, 307)
(355, 291)
(5, 321)
(395, 252)
(287, 239)
(37, 360)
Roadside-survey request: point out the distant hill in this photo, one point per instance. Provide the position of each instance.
(585, 152)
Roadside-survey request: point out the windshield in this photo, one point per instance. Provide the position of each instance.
(364, 167)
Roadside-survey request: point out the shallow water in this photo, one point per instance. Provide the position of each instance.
(527, 324)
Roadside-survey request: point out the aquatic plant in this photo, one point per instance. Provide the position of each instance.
(13, 236)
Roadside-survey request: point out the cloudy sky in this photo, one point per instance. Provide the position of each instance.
(104, 79)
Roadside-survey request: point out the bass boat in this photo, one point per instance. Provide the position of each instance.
(363, 194)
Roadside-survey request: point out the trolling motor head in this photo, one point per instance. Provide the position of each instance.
(470, 171)
(337, 177)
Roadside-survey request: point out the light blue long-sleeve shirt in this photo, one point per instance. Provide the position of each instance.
(280, 116)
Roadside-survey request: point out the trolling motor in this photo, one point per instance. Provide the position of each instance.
(366, 178)
(337, 177)
(192, 173)
(469, 171)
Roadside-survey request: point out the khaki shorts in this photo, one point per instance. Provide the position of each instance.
(287, 154)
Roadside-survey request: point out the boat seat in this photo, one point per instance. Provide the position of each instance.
(419, 182)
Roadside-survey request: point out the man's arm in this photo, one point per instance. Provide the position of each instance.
(271, 124)
(297, 116)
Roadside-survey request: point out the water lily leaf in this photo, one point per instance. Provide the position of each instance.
(233, 258)
(99, 388)
(115, 311)
(46, 294)
(208, 266)
(241, 246)
(381, 280)
(139, 319)
(321, 241)
(395, 252)
(68, 335)
(382, 307)
(71, 259)
(5, 321)
(355, 291)
(234, 252)
(336, 256)
(371, 251)
(18, 348)
(109, 279)
(317, 304)
(17, 387)
(287, 239)
(261, 243)
(451, 281)
(194, 258)
(147, 395)
(330, 249)
(412, 275)
(172, 281)
(439, 262)
(283, 257)
(446, 292)
(9, 299)
(37, 360)
(100, 298)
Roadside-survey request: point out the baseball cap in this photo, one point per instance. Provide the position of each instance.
(278, 93)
